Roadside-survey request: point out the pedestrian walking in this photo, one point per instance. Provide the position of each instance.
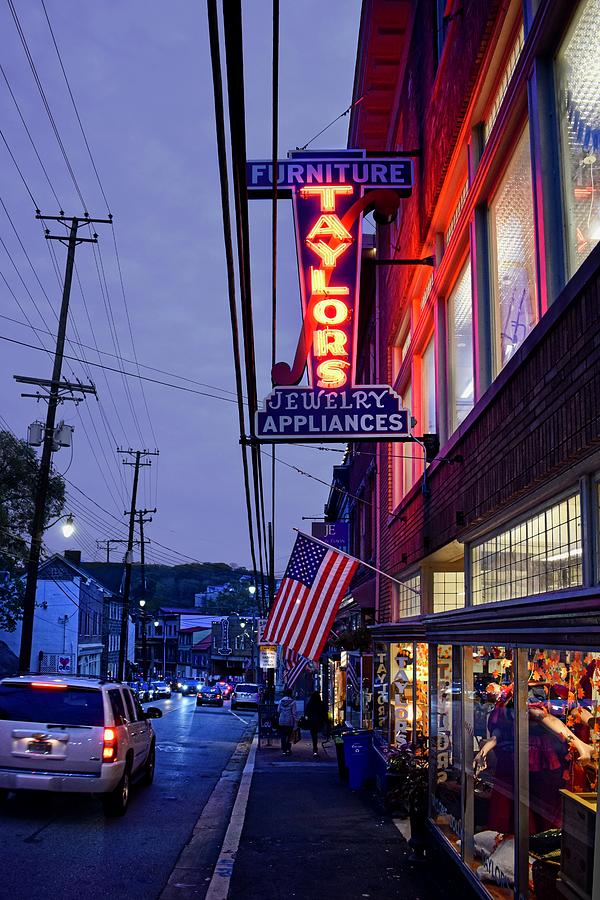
(316, 716)
(288, 719)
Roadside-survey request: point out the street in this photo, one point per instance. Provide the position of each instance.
(63, 846)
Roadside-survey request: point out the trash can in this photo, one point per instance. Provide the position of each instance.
(339, 752)
(358, 756)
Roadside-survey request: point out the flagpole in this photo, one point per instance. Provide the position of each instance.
(403, 584)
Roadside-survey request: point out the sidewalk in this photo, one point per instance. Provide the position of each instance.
(306, 835)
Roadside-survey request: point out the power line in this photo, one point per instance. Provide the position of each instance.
(333, 121)
(42, 93)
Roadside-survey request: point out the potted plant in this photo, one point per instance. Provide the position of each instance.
(406, 791)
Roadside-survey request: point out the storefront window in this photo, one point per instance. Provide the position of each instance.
(446, 804)
(539, 555)
(578, 78)
(513, 254)
(460, 348)
(407, 600)
(503, 83)
(381, 691)
(402, 459)
(428, 390)
(409, 717)
(489, 718)
(563, 696)
(448, 591)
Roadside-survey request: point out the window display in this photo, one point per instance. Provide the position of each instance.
(446, 802)
(409, 718)
(490, 767)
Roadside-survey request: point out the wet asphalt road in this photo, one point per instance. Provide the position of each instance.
(62, 846)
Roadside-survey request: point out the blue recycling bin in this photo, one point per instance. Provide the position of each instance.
(358, 754)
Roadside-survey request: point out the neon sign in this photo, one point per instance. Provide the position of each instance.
(330, 195)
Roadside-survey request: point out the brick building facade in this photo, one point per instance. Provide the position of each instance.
(488, 639)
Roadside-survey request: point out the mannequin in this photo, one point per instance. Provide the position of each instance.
(549, 737)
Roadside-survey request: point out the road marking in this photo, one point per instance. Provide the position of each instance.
(218, 888)
(245, 721)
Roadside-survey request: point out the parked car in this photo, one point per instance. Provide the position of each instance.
(145, 691)
(245, 695)
(161, 690)
(210, 694)
(75, 735)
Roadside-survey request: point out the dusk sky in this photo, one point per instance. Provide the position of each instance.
(140, 74)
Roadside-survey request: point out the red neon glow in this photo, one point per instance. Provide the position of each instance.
(330, 341)
(319, 286)
(48, 686)
(327, 254)
(330, 311)
(329, 226)
(331, 373)
(327, 194)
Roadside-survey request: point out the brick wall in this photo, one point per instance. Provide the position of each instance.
(540, 418)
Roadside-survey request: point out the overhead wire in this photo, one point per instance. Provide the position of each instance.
(234, 61)
(215, 53)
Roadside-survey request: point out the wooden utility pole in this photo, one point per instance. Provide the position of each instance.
(56, 392)
(137, 464)
(144, 614)
(106, 544)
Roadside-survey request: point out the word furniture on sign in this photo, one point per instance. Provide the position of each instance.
(330, 194)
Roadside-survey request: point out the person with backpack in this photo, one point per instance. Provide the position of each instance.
(288, 719)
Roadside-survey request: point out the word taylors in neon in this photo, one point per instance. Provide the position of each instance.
(328, 239)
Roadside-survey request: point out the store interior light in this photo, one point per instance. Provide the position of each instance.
(69, 527)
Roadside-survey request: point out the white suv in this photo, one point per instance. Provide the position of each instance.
(77, 735)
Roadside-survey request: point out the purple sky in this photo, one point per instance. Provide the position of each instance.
(140, 73)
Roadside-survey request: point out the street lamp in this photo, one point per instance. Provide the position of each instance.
(144, 617)
(252, 589)
(156, 625)
(68, 528)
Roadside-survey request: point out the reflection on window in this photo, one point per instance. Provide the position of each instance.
(446, 802)
(460, 340)
(408, 597)
(428, 389)
(490, 767)
(540, 554)
(562, 706)
(513, 254)
(578, 77)
(503, 85)
(409, 696)
(402, 459)
(448, 591)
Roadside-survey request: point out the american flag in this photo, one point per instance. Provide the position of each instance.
(294, 666)
(315, 581)
(352, 676)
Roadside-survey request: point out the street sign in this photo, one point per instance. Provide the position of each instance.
(267, 656)
(331, 192)
(333, 533)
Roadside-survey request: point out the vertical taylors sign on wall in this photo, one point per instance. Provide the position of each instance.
(330, 193)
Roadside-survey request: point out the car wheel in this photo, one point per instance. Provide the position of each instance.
(221, 703)
(115, 803)
(149, 766)
(233, 706)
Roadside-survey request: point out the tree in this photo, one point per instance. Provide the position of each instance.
(19, 468)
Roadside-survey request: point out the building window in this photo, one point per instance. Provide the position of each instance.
(400, 349)
(513, 255)
(456, 213)
(428, 422)
(402, 459)
(511, 65)
(407, 599)
(578, 80)
(448, 591)
(541, 554)
(460, 348)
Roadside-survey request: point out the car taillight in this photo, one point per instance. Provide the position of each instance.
(109, 750)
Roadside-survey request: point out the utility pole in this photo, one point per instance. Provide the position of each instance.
(55, 394)
(143, 521)
(139, 456)
(105, 545)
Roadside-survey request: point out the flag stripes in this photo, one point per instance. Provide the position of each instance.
(316, 580)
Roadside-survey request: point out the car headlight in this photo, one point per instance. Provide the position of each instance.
(179, 685)
(198, 686)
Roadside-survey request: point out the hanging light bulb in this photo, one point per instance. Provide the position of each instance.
(69, 527)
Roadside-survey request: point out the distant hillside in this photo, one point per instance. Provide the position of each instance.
(176, 585)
